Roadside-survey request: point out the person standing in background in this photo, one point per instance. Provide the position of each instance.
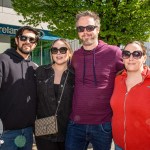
(18, 92)
(130, 101)
(50, 82)
(96, 64)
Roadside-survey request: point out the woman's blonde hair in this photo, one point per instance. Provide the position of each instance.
(67, 45)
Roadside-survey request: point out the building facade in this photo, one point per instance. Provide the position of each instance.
(9, 24)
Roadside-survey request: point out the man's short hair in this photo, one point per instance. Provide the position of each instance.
(29, 28)
(91, 14)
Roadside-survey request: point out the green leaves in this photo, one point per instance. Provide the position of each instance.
(121, 20)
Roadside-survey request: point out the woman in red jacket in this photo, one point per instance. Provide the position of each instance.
(130, 101)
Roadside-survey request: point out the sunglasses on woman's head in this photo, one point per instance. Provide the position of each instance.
(88, 28)
(136, 54)
(25, 38)
(62, 50)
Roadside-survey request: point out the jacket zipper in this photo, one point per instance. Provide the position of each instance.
(124, 105)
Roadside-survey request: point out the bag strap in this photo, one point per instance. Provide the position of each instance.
(61, 94)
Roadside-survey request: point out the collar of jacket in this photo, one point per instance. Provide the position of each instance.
(145, 73)
(70, 69)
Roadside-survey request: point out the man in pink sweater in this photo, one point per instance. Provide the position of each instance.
(96, 64)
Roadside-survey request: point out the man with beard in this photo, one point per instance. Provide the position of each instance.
(96, 64)
(18, 92)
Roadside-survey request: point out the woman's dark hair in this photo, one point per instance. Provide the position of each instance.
(140, 43)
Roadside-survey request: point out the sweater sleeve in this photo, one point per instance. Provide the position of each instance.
(1, 73)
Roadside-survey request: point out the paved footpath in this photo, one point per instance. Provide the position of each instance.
(112, 147)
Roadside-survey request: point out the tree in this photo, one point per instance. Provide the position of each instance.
(121, 20)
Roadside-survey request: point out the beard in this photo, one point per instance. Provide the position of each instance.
(89, 41)
(24, 51)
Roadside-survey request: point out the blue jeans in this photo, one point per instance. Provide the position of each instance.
(117, 147)
(79, 136)
(21, 139)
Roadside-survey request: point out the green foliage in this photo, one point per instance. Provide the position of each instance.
(121, 20)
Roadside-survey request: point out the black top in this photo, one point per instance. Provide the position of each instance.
(48, 96)
(56, 88)
(17, 90)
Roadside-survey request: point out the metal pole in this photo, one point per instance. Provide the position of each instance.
(41, 53)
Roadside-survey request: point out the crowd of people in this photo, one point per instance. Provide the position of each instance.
(98, 92)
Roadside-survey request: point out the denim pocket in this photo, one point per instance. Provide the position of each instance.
(106, 127)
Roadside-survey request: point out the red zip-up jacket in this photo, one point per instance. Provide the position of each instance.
(131, 113)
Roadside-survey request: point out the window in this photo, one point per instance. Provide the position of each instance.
(41, 54)
(0, 2)
(6, 3)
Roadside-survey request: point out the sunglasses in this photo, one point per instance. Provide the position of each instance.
(62, 50)
(136, 54)
(25, 38)
(88, 28)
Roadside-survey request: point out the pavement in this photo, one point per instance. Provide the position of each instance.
(90, 147)
(112, 147)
